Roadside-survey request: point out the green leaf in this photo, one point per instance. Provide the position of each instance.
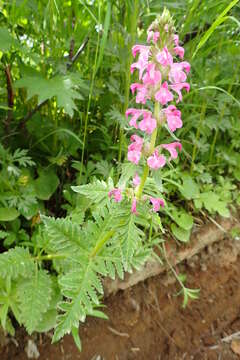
(8, 214)
(62, 235)
(61, 87)
(220, 19)
(6, 40)
(189, 188)
(180, 233)
(222, 209)
(182, 219)
(46, 184)
(34, 296)
(16, 262)
(105, 34)
(79, 288)
(76, 337)
(97, 191)
(49, 318)
(212, 203)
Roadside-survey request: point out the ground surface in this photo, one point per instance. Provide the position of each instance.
(147, 322)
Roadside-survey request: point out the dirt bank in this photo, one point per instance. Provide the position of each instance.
(147, 321)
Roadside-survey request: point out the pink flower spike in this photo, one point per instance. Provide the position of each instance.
(157, 202)
(178, 87)
(136, 180)
(172, 149)
(164, 95)
(134, 206)
(164, 57)
(116, 193)
(155, 161)
(173, 116)
(148, 124)
(179, 50)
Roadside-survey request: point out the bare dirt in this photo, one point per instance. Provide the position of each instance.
(147, 321)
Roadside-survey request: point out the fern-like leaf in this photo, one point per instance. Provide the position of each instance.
(34, 296)
(16, 262)
(97, 191)
(80, 288)
(63, 235)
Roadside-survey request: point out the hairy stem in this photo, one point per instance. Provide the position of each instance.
(101, 242)
(50, 257)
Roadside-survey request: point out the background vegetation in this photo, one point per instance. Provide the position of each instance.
(64, 90)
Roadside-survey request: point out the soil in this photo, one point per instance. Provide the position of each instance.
(148, 322)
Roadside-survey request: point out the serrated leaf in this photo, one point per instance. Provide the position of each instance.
(16, 262)
(34, 296)
(97, 191)
(61, 87)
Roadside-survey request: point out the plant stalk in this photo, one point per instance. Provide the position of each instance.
(152, 147)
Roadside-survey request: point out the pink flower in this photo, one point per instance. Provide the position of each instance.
(153, 35)
(173, 117)
(164, 95)
(156, 161)
(136, 113)
(176, 39)
(142, 92)
(185, 66)
(157, 202)
(164, 57)
(142, 62)
(148, 124)
(134, 156)
(134, 206)
(138, 141)
(134, 149)
(152, 76)
(116, 193)
(179, 50)
(142, 49)
(176, 75)
(178, 87)
(172, 149)
(136, 180)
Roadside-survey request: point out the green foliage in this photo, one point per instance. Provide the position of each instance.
(34, 298)
(61, 87)
(16, 262)
(65, 76)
